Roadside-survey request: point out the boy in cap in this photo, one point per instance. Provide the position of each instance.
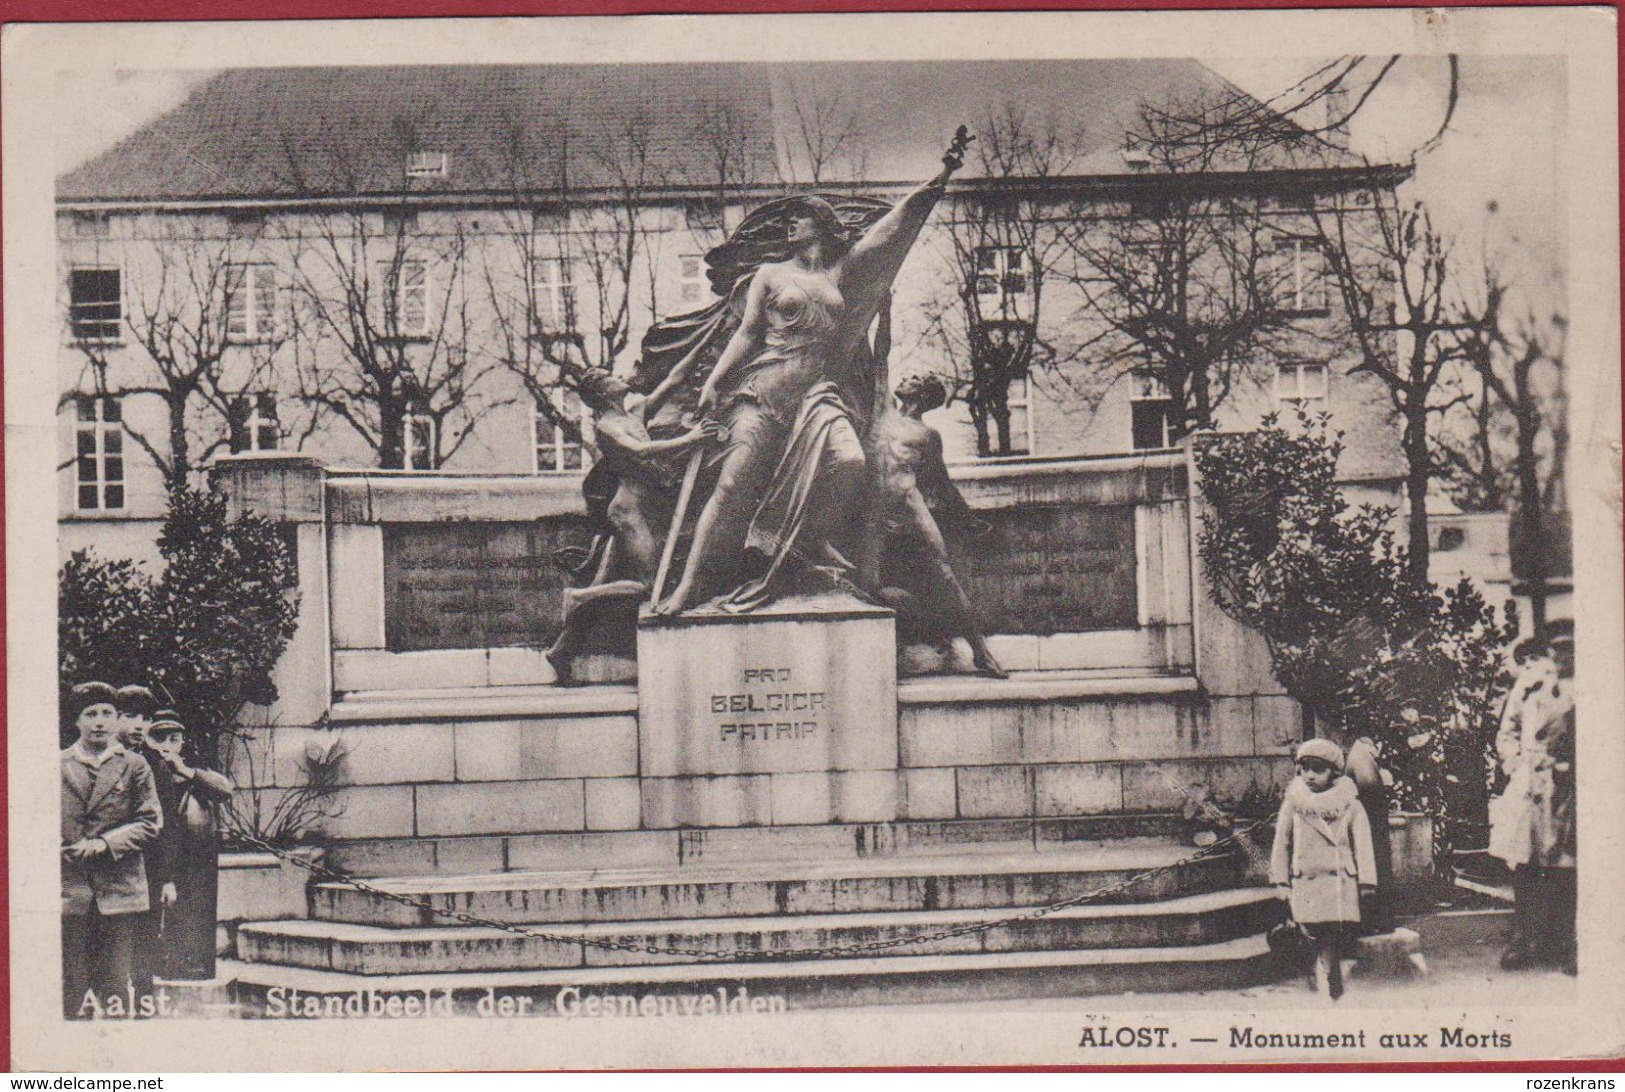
(1322, 860)
(110, 812)
(189, 850)
(136, 706)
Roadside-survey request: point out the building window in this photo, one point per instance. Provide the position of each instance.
(92, 225)
(1295, 200)
(419, 448)
(561, 448)
(245, 223)
(1003, 283)
(1300, 383)
(426, 165)
(254, 424)
(696, 286)
(550, 221)
(1149, 409)
(553, 295)
(400, 222)
(96, 309)
(407, 305)
(251, 302)
(99, 455)
(1299, 272)
(1018, 400)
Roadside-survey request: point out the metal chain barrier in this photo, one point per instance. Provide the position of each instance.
(730, 955)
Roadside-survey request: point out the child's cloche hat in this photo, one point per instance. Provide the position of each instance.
(1322, 749)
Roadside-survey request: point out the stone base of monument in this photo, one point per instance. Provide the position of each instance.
(806, 685)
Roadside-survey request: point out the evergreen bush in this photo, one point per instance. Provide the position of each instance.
(204, 632)
(1365, 646)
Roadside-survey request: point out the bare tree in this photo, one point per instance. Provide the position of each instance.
(1195, 283)
(1405, 314)
(203, 332)
(572, 262)
(385, 317)
(1505, 449)
(825, 136)
(1001, 243)
(1313, 112)
(730, 153)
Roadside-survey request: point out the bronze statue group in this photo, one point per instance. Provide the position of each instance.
(139, 855)
(771, 404)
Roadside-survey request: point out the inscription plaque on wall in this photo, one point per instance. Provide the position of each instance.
(475, 585)
(1047, 569)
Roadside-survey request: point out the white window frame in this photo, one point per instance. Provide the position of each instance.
(426, 164)
(75, 307)
(261, 433)
(408, 423)
(1303, 287)
(400, 290)
(251, 304)
(1024, 403)
(549, 437)
(694, 285)
(553, 294)
(107, 442)
(994, 262)
(1290, 382)
(1150, 387)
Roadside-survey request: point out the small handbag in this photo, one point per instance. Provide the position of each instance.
(1291, 941)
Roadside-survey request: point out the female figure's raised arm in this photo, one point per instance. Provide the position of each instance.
(875, 259)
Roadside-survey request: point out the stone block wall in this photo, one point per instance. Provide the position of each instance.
(1097, 724)
(1042, 758)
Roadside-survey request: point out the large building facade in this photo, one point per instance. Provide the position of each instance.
(396, 267)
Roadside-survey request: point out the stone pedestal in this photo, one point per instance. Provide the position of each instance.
(805, 685)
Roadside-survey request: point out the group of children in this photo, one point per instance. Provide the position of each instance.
(139, 848)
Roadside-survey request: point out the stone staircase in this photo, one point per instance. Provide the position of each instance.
(897, 929)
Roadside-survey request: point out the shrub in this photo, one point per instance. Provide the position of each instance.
(204, 633)
(1363, 645)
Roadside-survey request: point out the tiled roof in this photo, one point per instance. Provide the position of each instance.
(303, 132)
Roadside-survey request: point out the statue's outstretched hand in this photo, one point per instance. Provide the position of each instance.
(954, 157)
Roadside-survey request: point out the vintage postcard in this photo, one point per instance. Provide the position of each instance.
(814, 540)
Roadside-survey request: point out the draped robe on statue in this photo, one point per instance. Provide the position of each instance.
(814, 376)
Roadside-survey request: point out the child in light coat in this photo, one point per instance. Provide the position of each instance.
(1322, 860)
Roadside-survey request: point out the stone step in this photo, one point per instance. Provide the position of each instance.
(372, 950)
(762, 888)
(280, 991)
(693, 846)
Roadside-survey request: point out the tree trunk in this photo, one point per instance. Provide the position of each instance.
(180, 455)
(978, 420)
(1531, 508)
(1418, 475)
(1199, 411)
(392, 435)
